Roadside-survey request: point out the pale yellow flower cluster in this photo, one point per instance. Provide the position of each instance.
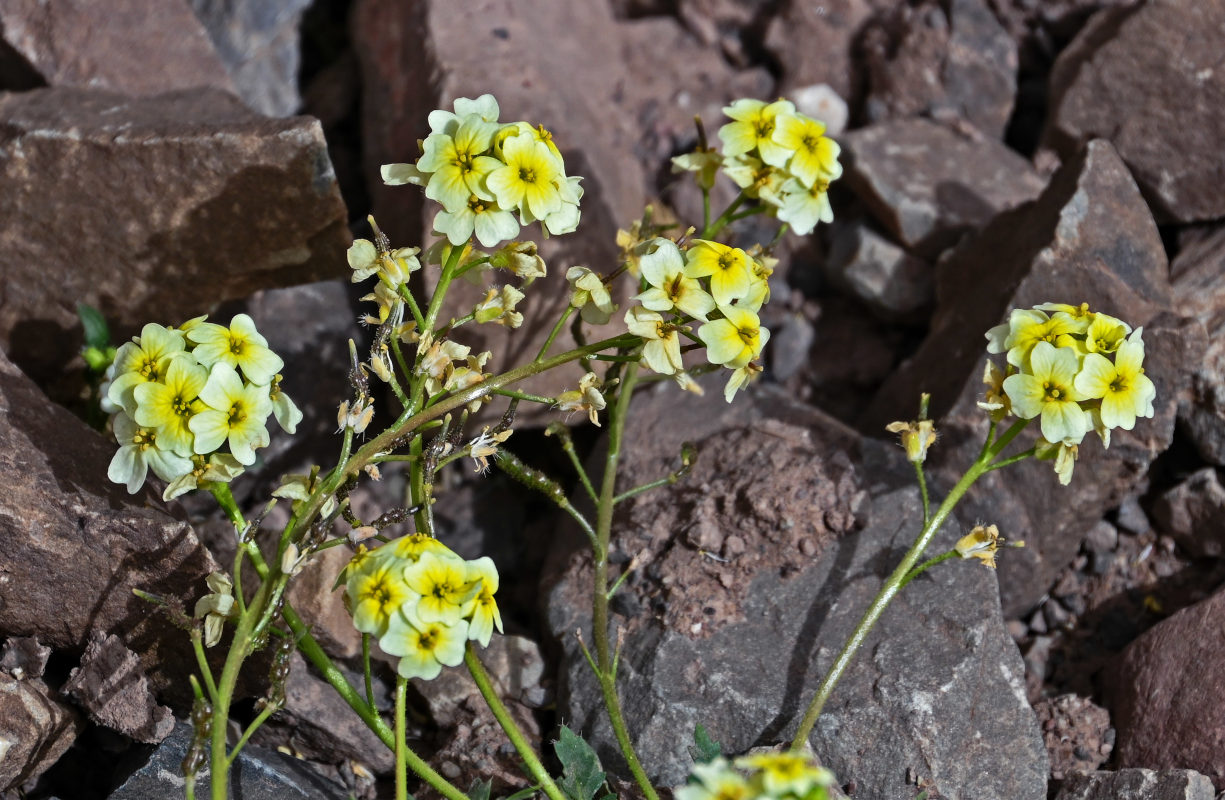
(1075, 369)
(763, 776)
(776, 155)
(422, 602)
(179, 395)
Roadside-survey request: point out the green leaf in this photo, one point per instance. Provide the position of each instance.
(480, 789)
(581, 773)
(522, 793)
(97, 334)
(705, 749)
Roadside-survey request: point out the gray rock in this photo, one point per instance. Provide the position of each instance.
(890, 281)
(1088, 238)
(793, 540)
(258, 40)
(1137, 784)
(928, 185)
(35, 730)
(137, 47)
(1193, 512)
(24, 657)
(204, 201)
(1131, 516)
(258, 774)
(944, 59)
(82, 544)
(1116, 80)
(112, 688)
(1168, 694)
(1102, 538)
(1199, 290)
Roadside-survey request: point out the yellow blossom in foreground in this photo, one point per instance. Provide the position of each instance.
(1050, 391)
(735, 340)
(753, 128)
(424, 647)
(1125, 391)
(376, 591)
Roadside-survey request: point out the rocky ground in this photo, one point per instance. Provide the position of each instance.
(166, 158)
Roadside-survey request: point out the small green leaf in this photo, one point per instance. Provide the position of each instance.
(705, 749)
(480, 789)
(97, 334)
(522, 793)
(581, 773)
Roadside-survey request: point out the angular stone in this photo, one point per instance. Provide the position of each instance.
(258, 40)
(1138, 784)
(73, 546)
(928, 184)
(750, 574)
(137, 47)
(890, 281)
(950, 58)
(113, 690)
(1168, 695)
(1118, 80)
(619, 97)
(35, 730)
(23, 657)
(257, 774)
(1199, 290)
(814, 43)
(1193, 512)
(1088, 238)
(174, 203)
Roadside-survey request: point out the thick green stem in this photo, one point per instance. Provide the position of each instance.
(545, 781)
(605, 661)
(240, 648)
(709, 231)
(894, 583)
(401, 741)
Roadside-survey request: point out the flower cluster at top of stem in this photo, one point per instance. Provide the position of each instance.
(777, 776)
(422, 602)
(1075, 370)
(481, 170)
(776, 155)
(179, 395)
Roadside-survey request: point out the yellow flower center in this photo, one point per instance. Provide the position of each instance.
(237, 346)
(1119, 384)
(527, 174)
(144, 438)
(237, 415)
(181, 406)
(1053, 391)
(763, 128)
(476, 205)
(428, 640)
(148, 370)
(727, 261)
(464, 162)
(747, 335)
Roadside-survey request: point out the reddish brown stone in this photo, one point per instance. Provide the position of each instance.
(35, 730)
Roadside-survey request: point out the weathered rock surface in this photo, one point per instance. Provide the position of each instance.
(1198, 279)
(24, 657)
(1193, 512)
(1088, 238)
(73, 546)
(928, 184)
(749, 576)
(1118, 80)
(890, 281)
(174, 203)
(1077, 733)
(257, 774)
(35, 730)
(949, 58)
(137, 47)
(814, 43)
(1138, 784)
(1168, 696)
(258, 40)
(112, 688)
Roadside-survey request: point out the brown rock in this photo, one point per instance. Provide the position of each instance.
(890, 281)
(174, 203)
(73, 546)
(1088, 238)
(1193, 512)
(35, 730)
(1198, 279)
(949, 58)
(1138, 784)
(137, 47)
(23, 657)
(312, 597)
(111, 686)
(814, 43)
(1148, 78)
(1077, 733)
(1168, 697)
(928, 184)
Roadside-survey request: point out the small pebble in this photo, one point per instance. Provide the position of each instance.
(1037, 622)
(1102, 538)
(1131, 518)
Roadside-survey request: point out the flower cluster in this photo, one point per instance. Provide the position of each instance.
(422, 602)
(179, 395)
(1074, 369)
(719, 286)
(779, 776)
(776, 155)
(481, 170)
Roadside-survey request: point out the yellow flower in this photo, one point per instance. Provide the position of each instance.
(1105, 334)
(530, 180)
(1026, 328)
(458, 164)
(169, 406)
(716, 780)
(785, 773)
(499, 306)
(753, 127)
(662, 349)
(377, 590)
(728, 268)
(664, 270)
(590, 295)
(995, 401)
(143, 360)
(816, 155)
(803, 206)
(240, 346)
(482, 613)
(139, 453)
(916, 437)
(1126, 392)
(424, 647)
(740, 377)
(234, 413)
(1050, 391)
(981, 543)
(443, 585)
(1064, 454)
(587, 398)
(409, 548)
(735, 340)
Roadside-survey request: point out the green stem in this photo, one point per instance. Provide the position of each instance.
(504, 719)
(240, 647)
(1011, 460)
(926, 565)
(667, 480)
(197, 644)
(709, 231)
(605, 660)
(401, 743)
(366, 669)
(561, 323)
(260, 718)
(895, 582)
(531, 398)
(918, 469)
